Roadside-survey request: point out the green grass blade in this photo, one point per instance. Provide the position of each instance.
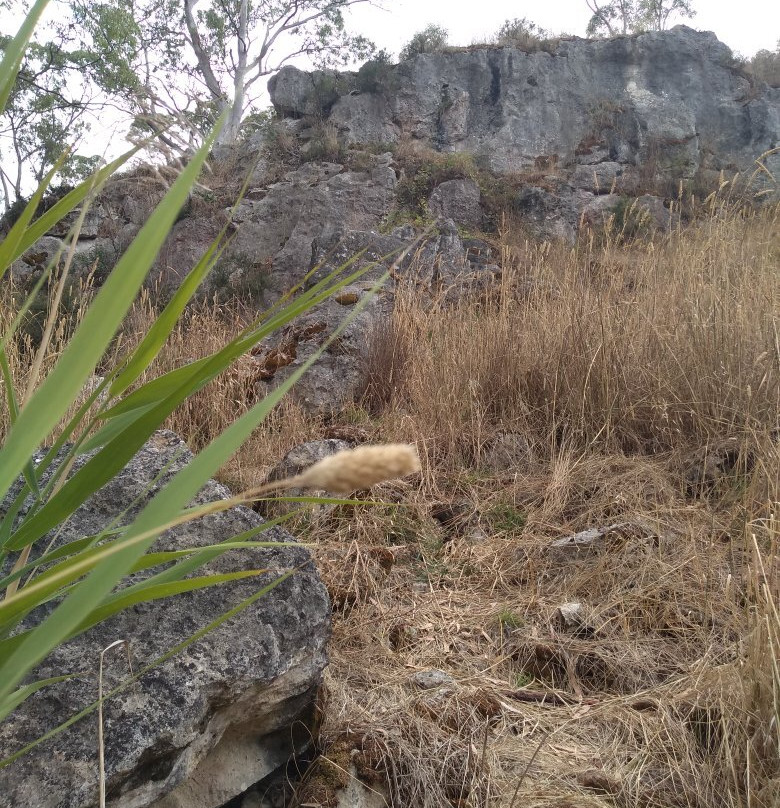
(198, 374)
(125, 599)
(69, 549)
(198, 635)
(151, 592)
(161, 329)
(162, 508)
(91, 477)
(17, 697)
(9, 246)
(47, 220)
(13, 414)
(115, 427)
(14, 52)
(98, 327)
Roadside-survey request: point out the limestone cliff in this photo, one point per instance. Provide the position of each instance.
(672, 102)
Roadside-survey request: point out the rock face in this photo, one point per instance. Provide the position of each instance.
(319, 202)
(202, 727)
(673, 101)
(581, 134)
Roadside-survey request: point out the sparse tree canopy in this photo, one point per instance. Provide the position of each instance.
(184, 61)
(44, 116)
(520, 33)
(615, 17)
(765, 66)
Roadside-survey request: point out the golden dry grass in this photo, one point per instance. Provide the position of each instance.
(601, 368)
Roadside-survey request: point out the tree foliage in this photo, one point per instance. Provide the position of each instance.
(615, 17)
(180, 63)
(430, 40)
(521, 33)
(765, 66)
(45, 115)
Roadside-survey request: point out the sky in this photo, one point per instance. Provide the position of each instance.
(746, 26)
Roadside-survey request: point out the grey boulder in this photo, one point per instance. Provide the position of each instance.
(203, 726)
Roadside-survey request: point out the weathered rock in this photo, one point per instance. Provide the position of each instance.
(317, 203)
(300, 458)
(429, 679)
(606, 178)
(197, 729)
(599, 210)
(507, 451)
(457, 200)
(298, 93)
(599, 539)
(661, 97)
(710, 464)
(439, 266)
(553, 214)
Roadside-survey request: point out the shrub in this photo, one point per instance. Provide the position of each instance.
(522, 34)
(765, 66)
(376, 75)
(431, 39)
(324, 145)
(425, 169)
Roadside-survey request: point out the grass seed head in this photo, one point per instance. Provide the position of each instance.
(355, 469)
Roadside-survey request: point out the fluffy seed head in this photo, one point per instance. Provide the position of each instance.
(362, 467)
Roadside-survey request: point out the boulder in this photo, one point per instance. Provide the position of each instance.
(293, 463)
(200, 728)
(298, 93)
(606, 178)
(457, 200)
(439, 266)
(316, 203)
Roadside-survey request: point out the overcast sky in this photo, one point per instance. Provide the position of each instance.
(746, 26)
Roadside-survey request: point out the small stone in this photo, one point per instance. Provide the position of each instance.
(571, 614)
(347, 298)
(431, 678)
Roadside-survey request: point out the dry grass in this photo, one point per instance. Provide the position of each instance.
(606, 365)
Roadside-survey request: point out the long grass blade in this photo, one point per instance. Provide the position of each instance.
(5, 703)
(14, 51)
(99, 325)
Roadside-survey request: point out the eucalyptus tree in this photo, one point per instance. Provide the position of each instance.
(45, 115)
(615, 17)
(177, 64)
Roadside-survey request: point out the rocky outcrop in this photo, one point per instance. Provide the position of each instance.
(316, 203)
(579, 134)
(200, 728)
(440, 265)
(673, 102)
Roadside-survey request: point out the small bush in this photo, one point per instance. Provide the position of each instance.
(376, 75)
(431, 39)
(522, 34)
(765, 66)
(324, 145)
(424, 170)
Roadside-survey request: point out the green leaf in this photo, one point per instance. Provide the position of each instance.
(146, 594)
(100, 323)
(69, 549)
(140, 535)
(161, 329)
(198, 635)
(14, 52)
(9, 247)
(62, 207)
(17, 697)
